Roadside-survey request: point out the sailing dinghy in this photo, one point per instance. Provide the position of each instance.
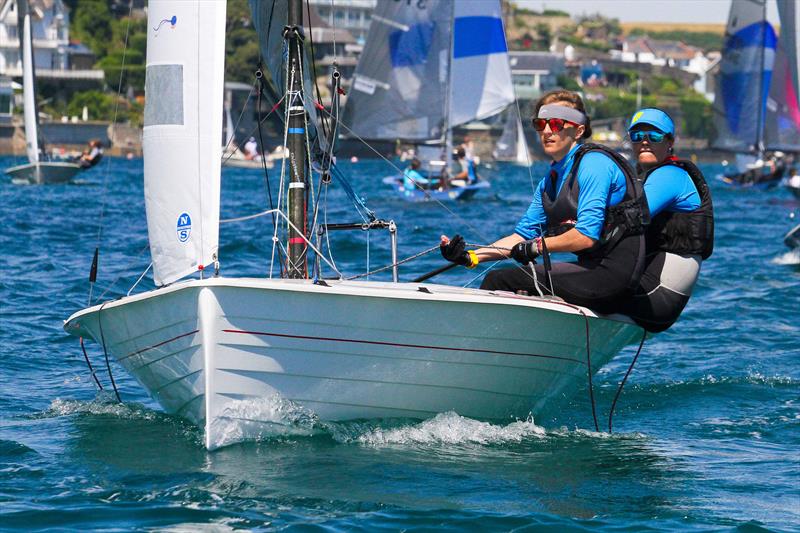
(757, 109)
(36, 171)
(241, 357)
(427, 68)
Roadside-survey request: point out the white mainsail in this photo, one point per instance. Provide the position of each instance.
(28, 83)
(512, 146)
(480, 75)
(782, 125)
(181, 141)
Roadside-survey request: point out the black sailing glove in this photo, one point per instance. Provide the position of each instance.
(455, 252)
(525, 252)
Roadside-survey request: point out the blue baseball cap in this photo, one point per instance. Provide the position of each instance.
(654, 117)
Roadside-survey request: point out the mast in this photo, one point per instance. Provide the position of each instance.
(31, 113)
(296, 143)
(448, 139)
(760, 101)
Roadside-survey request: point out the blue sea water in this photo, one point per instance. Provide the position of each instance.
(707, 431)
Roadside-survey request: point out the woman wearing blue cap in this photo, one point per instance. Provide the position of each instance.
(590, 203)
(681, 232)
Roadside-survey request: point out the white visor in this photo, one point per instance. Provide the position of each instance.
(563, 112)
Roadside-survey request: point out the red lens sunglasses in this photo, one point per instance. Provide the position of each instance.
(556, 124)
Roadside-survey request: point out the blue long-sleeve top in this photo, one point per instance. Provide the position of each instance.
(601, 182)
(412, 178)
(670, 189)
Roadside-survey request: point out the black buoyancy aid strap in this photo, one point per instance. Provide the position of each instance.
(628, 217)
(705, 233)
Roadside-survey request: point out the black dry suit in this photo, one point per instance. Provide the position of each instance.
(690, 233)
(604, 274)
(675, 241)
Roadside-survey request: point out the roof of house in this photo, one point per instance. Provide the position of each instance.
(543, 61)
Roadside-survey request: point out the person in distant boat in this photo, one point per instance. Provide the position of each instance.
(794, 178)
(251, 149)
(412, 178)
(589, 203)
(467, 173)
(681, 232)
(92, 155)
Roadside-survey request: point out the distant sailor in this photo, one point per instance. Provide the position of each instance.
(590, 203)
(251, 149)
(412, 179)
(681, 232)
(92, 155)
(467, 173)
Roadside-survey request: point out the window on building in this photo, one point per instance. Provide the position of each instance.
(6, 107)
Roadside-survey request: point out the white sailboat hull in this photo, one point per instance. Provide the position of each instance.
(43, 173)
(209, 350)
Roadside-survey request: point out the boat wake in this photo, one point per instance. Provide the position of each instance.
(103, 404)
(451, 428)
(261, 419)
(792, 257)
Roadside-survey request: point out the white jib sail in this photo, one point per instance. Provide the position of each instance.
(28, 90)
(480, 82)
(182, 132)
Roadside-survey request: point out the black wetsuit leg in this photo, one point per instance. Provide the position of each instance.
(599, 284)
(653, 306)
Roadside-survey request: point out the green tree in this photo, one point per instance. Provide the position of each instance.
(242, 51)
(91, 24)
(697, 116)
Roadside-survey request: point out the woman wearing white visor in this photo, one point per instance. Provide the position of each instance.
(589, 204)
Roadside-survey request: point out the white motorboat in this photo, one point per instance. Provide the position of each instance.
(214, 349)
(36, 171)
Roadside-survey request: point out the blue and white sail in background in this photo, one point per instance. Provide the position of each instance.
(782, 126)
(427, 67)
(480, 81)
(743, 84)
(181, 140)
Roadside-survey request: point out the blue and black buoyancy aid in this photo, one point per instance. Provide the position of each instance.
(690, 233)
(627, 218)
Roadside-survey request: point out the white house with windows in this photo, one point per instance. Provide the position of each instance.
(351, 15)
(52, 50)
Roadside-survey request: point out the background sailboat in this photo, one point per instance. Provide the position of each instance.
(752, 110)
(36, 171)
(426, 69)
(782, 123)
(244, 356)
(512, 146)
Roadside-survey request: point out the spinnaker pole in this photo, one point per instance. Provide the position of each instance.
(296, 143)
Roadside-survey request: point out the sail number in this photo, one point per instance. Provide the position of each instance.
(419, 4)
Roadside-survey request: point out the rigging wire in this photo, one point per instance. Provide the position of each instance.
(104, 191)
(89, 364)
(105, 351)
(267, 184)
(624, 379)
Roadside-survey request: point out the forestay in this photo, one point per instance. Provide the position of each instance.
(747, 58)
(28, 82)
(181, 141)
(782, 126)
